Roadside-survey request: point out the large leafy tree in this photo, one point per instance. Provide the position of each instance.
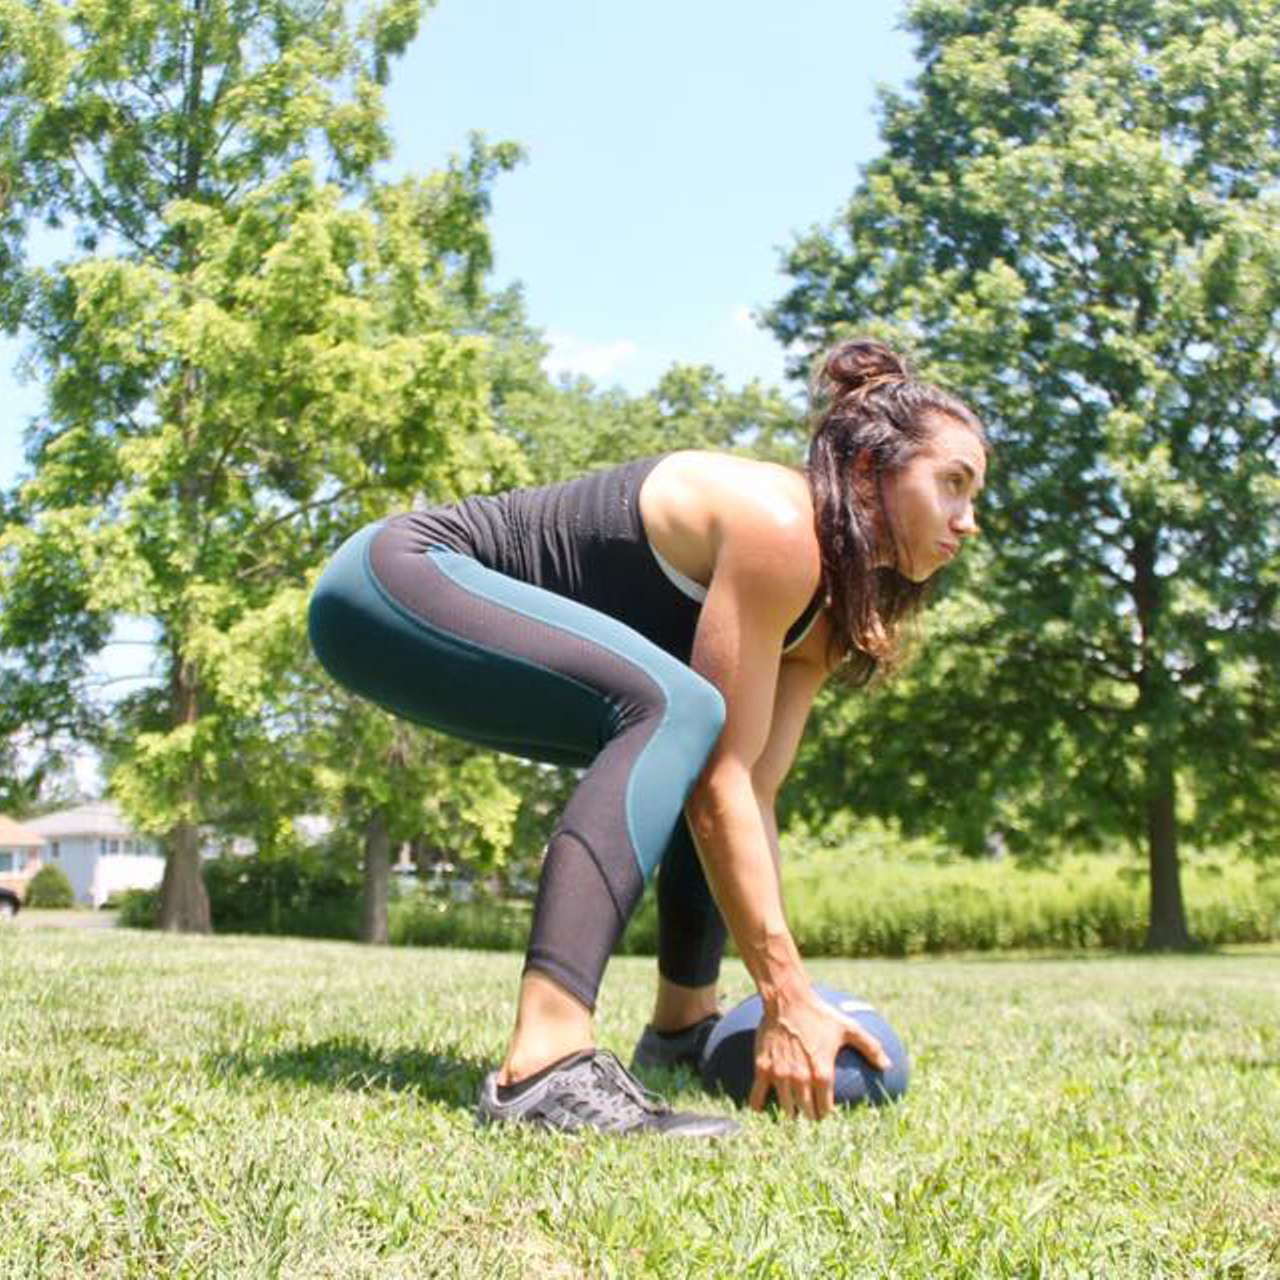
(1075, 222)
(256, 347)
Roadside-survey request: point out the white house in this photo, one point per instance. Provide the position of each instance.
(99, 852)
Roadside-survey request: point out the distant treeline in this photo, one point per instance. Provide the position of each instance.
(859, 907)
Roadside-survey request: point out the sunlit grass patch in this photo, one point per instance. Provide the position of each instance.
(257, 1106)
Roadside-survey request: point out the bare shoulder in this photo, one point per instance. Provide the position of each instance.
(709, 512)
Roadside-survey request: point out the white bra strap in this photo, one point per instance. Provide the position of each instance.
(694, 590)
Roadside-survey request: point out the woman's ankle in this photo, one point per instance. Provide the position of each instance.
(676, 1007)
(526, 1060)
(551, 1023)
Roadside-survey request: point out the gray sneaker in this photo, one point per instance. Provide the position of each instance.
(593, 1091)
(665, 1052)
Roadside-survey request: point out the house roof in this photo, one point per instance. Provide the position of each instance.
(14, 836)
(98, 818)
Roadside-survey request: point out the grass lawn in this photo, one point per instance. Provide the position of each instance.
(260, 1107)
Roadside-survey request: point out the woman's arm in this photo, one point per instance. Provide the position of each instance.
(799, 680)
(769, 816)
(755, 593)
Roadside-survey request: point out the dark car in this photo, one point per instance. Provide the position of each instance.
(9, 904)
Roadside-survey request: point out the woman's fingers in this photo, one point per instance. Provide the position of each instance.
(760, 1088)
(795, 1060)
(824, 1092)
(786, 1096)
(797, 1091)
(867, 1045)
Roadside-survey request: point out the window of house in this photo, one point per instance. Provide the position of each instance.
(115, 846)
(53, 848)
(102, 846)
(6, 861)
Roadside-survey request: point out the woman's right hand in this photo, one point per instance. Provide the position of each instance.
(795, 1054)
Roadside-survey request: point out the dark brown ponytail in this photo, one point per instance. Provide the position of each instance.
(872, 416)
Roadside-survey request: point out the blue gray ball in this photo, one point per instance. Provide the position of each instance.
(728, 1057)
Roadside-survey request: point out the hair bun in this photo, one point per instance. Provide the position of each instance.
(858, 365)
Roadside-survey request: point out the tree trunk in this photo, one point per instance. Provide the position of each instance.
(1167, 922)
(1158, 709)
(184, 901)
(377, 876)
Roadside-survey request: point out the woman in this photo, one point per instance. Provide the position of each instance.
(664, 625)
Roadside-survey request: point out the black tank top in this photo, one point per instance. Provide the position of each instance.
(583, 538)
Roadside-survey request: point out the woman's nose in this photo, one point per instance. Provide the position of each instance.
(965, 523)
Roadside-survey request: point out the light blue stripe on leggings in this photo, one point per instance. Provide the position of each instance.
(671, 760)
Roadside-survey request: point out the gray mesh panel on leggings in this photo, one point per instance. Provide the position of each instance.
(391, 620)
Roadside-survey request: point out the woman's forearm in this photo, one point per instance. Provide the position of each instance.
(769, 816)
(735, 842)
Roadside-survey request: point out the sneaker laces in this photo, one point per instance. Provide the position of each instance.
(612, 1069)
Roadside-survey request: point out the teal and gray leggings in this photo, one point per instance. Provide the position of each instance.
(435, 637)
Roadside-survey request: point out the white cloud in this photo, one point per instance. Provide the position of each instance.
(595, 360)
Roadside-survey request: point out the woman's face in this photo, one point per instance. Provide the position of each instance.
(929, 504)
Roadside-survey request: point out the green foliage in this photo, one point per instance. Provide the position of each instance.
(302, 895)
(307, 896)
(841, 902)
(1075, 223)
(575, 427)
(422, 920)
(50, 888)
(258, 347)
(886, 907)
(425, 785)
(138, 909)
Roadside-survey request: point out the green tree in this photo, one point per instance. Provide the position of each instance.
(565, 430)
(41, 714)
(256, 348)
(1075, 220)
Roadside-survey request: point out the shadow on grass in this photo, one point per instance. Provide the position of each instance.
(356, 1065)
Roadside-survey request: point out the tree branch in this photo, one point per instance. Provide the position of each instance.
(259, 565)
(114, 220)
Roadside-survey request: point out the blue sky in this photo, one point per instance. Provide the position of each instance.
(673, 148)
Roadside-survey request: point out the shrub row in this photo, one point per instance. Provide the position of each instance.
(866, 907)
(882, 908)
(306, 897)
